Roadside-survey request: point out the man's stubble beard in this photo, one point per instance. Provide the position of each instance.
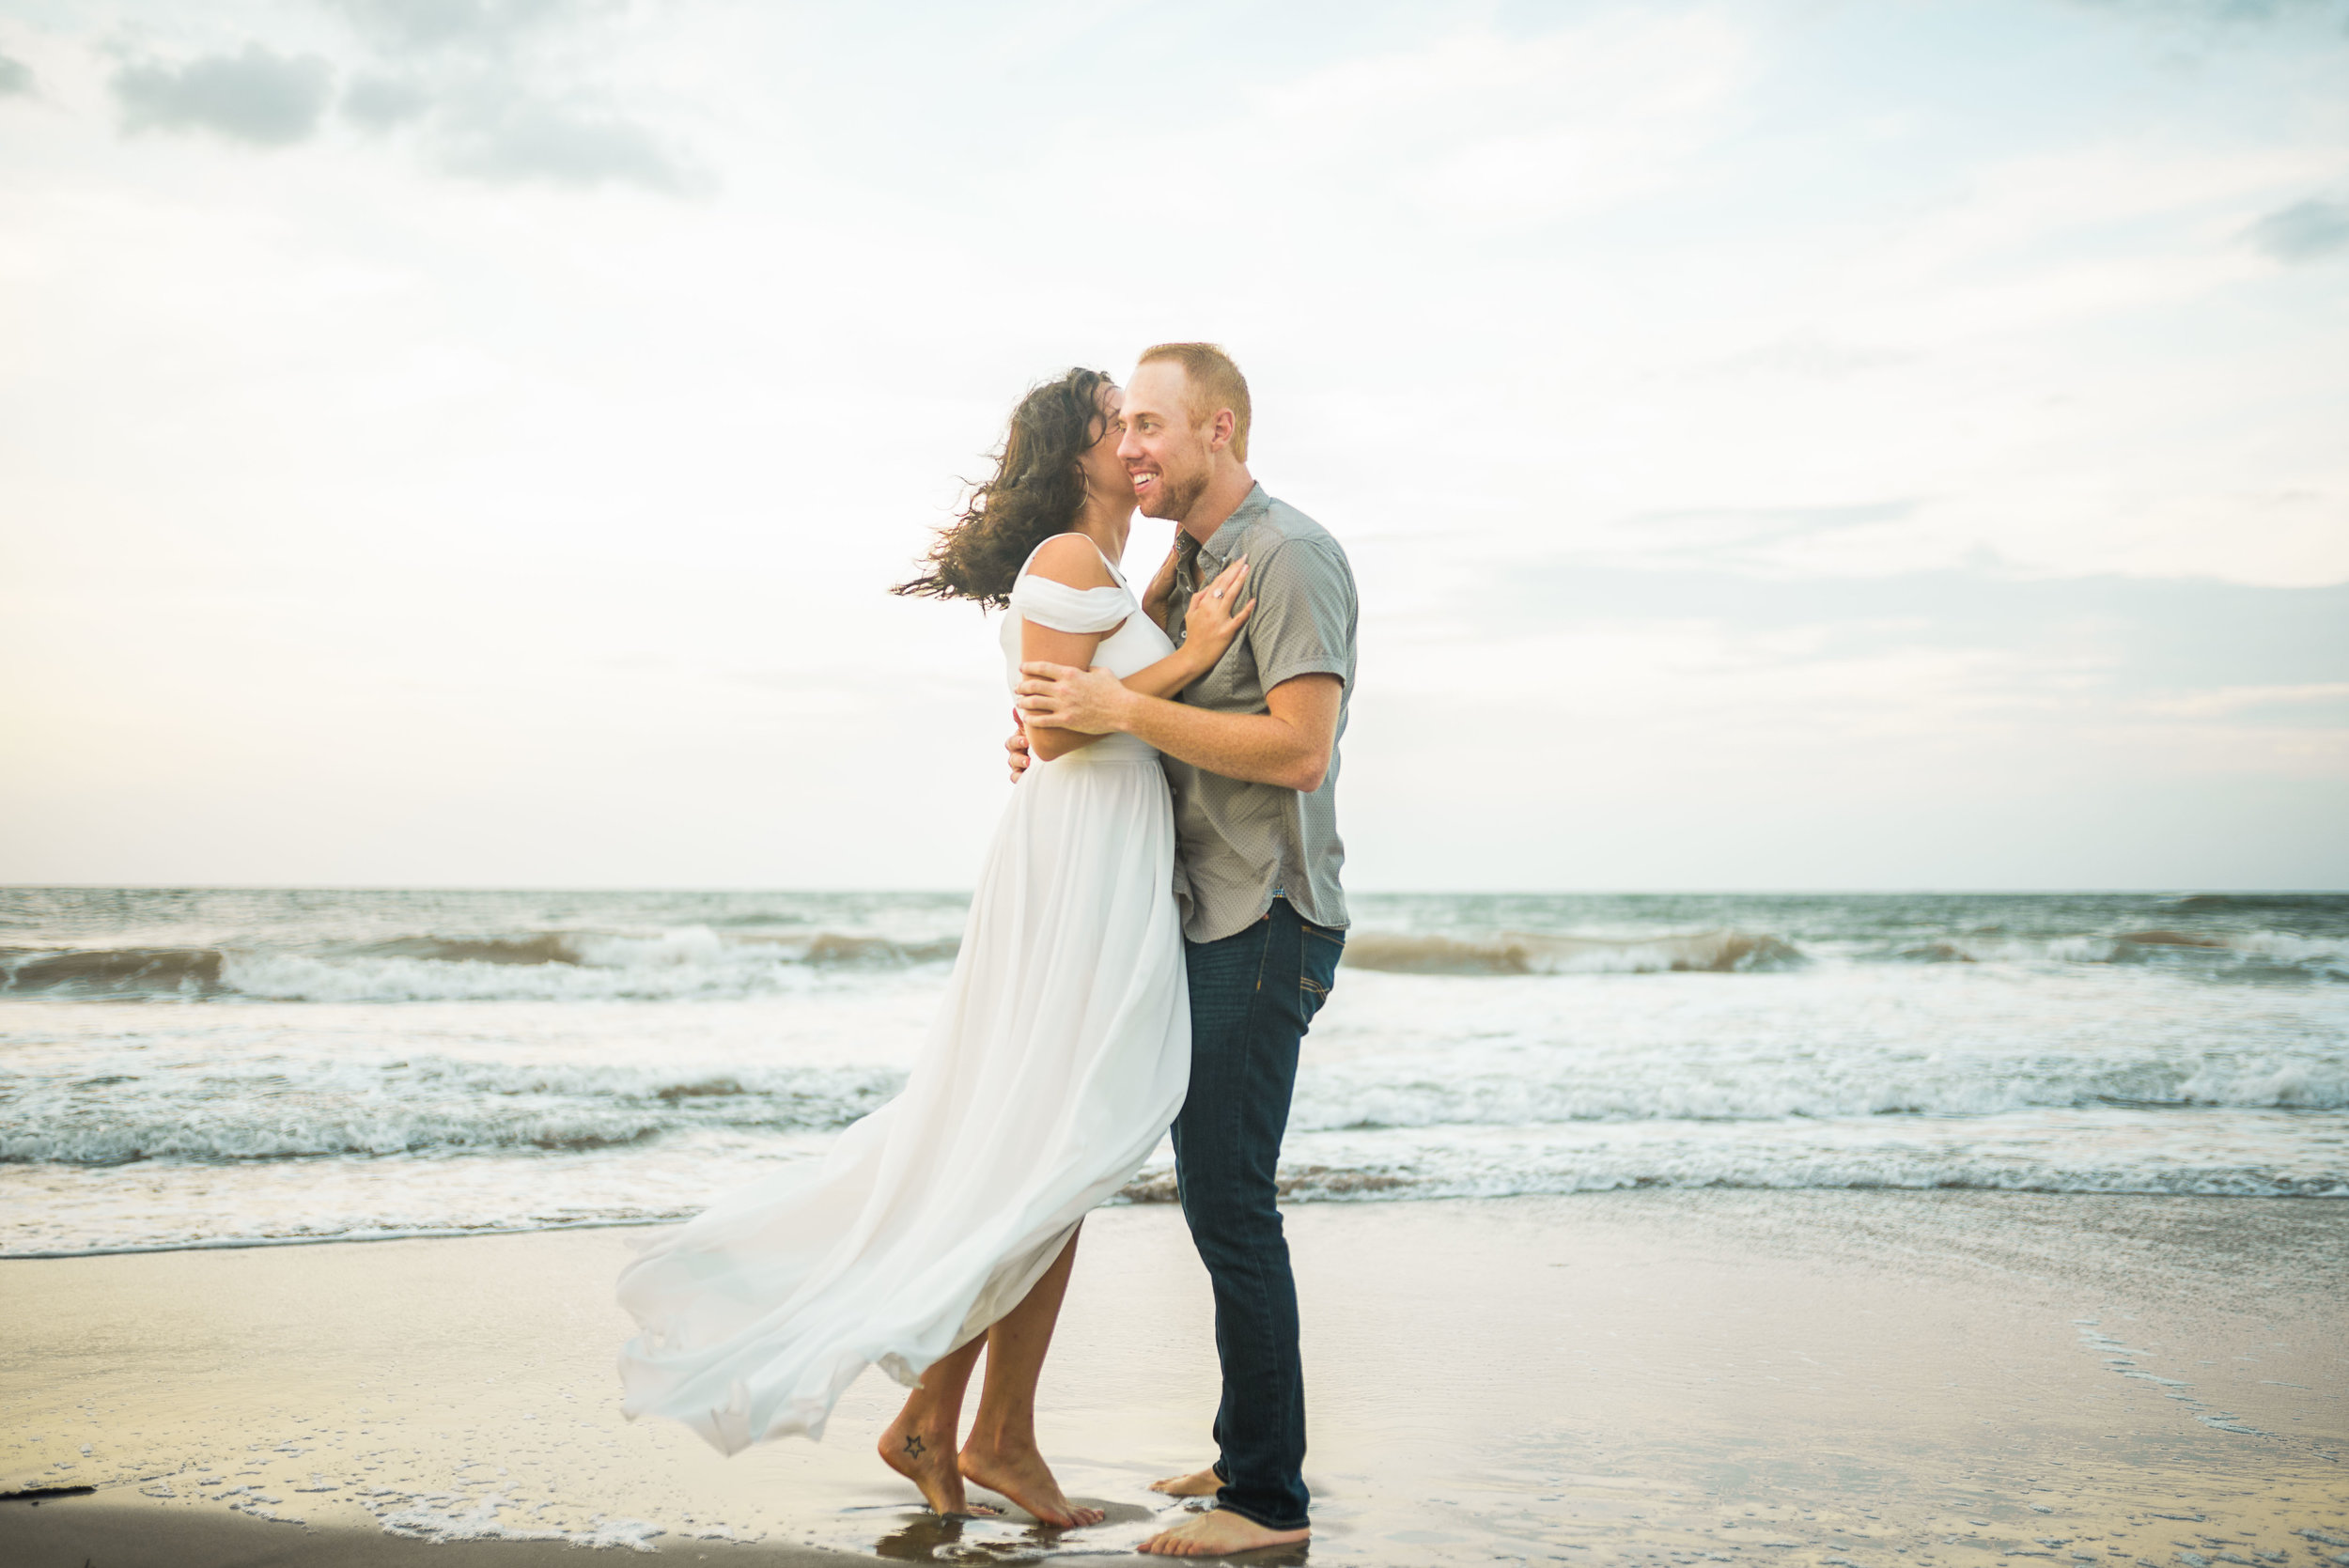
(1174, 504)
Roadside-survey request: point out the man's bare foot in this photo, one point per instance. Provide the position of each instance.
(1199, 1483)
(1219, 1532)
(1023, 1476)
(927, 1460)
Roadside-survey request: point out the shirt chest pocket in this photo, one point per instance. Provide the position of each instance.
(1233, 683)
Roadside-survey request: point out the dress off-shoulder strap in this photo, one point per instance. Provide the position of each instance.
(1066, 608)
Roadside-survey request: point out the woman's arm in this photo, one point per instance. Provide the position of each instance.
(1165, 679)
(1071, 560)
(1161, 589)
(1214, 619)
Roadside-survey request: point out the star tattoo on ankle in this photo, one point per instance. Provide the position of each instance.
(913, 1446)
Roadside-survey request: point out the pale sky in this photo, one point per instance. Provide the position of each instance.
(1875, 444)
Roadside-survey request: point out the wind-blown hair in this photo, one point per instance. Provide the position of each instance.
(1038, 490)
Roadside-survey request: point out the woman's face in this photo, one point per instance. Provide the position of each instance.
(1106, 478)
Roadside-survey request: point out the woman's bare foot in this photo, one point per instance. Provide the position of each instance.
(1021, 1475)
(1199, 1483)
(1219, 1532)
(927, 1460)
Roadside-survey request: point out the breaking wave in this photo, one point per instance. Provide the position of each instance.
(261, 1111)
(689, 963)
(1327, 1184)
(1707, 952)
(1485, 1044)
(703, 962)
(2244, 955)
(273, 1108)
(111, 971)
(1548, 1093)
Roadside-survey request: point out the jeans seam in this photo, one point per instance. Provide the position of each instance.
(1254, 1017)
(1234, 1110)
(1256, 1276)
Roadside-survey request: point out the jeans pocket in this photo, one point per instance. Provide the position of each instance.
(1317, 965)
(1311, 994)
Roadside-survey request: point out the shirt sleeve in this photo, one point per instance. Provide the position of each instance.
(1066, 608)
(1303, 624)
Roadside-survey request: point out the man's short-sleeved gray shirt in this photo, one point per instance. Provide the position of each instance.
(1240, 843)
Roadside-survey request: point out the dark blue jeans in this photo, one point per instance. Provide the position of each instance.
(1252, 996)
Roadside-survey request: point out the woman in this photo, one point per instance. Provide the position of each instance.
(947, 1219)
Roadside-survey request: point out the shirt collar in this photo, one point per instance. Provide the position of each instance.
(1225, 544)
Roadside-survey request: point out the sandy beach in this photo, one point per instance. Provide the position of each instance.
(1844, 1379)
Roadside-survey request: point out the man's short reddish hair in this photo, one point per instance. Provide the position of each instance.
(1215, 383)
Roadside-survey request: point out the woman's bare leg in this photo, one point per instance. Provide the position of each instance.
(920, 1443)
(1000, 1453)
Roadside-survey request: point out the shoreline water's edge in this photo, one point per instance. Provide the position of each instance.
(1749, 1377)
(1162, 1193)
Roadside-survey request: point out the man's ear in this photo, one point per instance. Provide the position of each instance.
(1219, 433)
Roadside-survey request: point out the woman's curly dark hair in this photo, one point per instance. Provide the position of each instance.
(1038, 490)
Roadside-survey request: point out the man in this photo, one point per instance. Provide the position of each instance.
(1250, 751)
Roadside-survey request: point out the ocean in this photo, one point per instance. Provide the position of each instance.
(234, 1067)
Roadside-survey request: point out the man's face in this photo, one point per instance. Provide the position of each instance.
(1164, 451)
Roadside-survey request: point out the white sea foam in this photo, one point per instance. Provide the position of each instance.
(690, 963)
(275, 1107)
(1530, 1086)
(1526, 952)
(61, 1211)
(563, 1060)
(358, 955)
(448, 1517)
(280, 1105)
(2229, 1155)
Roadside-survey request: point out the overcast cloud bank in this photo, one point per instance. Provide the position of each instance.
(1778, 449)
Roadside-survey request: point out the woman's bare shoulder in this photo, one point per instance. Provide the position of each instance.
(1073, 560)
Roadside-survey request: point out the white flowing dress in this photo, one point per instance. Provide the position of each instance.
(1058, 1060)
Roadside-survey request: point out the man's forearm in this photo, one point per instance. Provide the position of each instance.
(1163, 679)
(1257, 748)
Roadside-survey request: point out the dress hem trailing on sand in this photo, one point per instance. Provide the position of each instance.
(1059, 1056)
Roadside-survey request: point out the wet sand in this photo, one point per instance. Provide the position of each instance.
(1840, 1379)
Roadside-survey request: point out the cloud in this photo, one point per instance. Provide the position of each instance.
(16, 78)
(267, 98)
(2304, 231)
(2252, 10)
(472, 75)
(1513, 132)
(526, 140)
(2170, 636)
(381, 102)
(1810, 355)
(1711, 529)
(2226, 700)
(428, 26)
(2223, 13)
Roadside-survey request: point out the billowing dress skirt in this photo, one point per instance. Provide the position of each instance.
(1057, 1060)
